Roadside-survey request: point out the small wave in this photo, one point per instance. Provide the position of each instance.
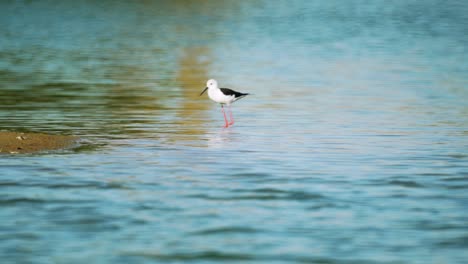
(71, 185)
(409, 184)
(455, 178)
(457, 187)
(20, 236)
(67, 86)
(29, 200)
(433, 174)
(218, 256)
(460, 242)
(326, 205)
(263, 194)
(86, 185)
(284, 194)
(255, 177)
(252, 175)
(226, 230)
(440, 226)
(9, 184)
(5, 201)
(205, 255)
(21, 200)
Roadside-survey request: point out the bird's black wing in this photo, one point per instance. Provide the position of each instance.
(227, 91)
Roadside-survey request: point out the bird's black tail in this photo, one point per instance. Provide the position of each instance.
(241, 95)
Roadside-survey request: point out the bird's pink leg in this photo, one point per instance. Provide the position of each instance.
(225, 119)
(230, 115)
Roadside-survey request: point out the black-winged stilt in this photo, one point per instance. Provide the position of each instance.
(223, 96)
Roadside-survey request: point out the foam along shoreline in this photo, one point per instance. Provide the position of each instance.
(17, 142)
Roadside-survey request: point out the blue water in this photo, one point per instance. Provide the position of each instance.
(351, 148)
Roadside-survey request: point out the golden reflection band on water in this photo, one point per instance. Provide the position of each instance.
(192, 73)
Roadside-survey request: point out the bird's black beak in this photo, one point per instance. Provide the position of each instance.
(204, 91)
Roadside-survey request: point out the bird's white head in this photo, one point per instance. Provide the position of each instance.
(212, 83)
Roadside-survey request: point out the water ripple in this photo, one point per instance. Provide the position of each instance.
(227, 230)
(262, 195)
(67, 185)
(14, 201)
(408, 184)
(206, 256)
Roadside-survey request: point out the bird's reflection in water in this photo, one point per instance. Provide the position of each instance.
(221, 138)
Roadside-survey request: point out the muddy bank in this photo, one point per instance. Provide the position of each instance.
(16, 142)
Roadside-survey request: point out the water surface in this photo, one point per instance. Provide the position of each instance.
(352, 147)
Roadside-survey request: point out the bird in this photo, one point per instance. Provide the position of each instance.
(223, 96)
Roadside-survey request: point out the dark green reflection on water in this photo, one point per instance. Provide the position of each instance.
(105, 68)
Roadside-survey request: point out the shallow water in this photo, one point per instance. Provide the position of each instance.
(352, 147)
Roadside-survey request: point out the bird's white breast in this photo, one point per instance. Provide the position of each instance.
(218, 96)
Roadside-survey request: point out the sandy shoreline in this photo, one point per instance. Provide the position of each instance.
(18, 142)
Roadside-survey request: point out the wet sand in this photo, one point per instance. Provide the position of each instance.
(17, 142)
